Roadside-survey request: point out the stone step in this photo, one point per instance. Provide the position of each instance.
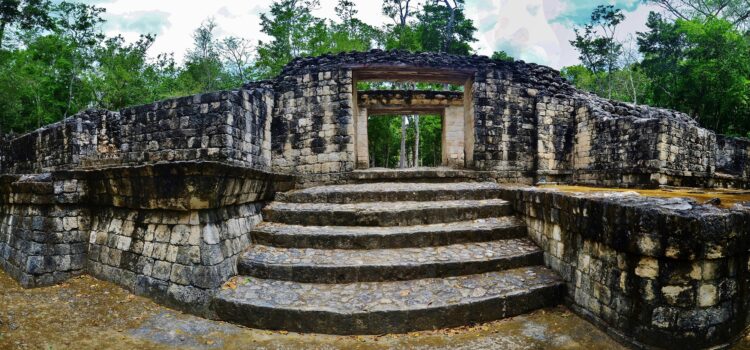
(370, 265)
(393, 192)
(424, 174)
(385, 213)
(368, 237)
(388, 307)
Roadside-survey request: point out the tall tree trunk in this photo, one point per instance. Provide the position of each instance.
(387, 154)
(632, 86)
(450, 26)
(402, 155)
(416, 141)
(2, 34)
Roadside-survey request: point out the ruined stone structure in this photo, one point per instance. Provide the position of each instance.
(173, 199)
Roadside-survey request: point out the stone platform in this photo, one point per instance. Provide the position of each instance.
(388, 257)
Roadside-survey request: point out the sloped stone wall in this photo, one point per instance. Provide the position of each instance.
(665, 273)
(228, 126)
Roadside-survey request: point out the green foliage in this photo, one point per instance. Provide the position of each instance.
(384, 138)
(597, 45)
(702, 67)
(502, 56)
(295, 32)
(623, 81)
(715, 72)
(444, 28)
(736, 12)
(124, 76)
(27, 15)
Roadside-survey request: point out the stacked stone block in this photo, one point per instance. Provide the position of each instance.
(232, 127)
(42, 237)
(555, 126)
(732, 162)
(505, 124)
(177, 257)
(313, 124)
(653, 272)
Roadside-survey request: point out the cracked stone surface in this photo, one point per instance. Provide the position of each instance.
(362, 237)
(481, 251)
(385, 213)
(346, 265)
(398, 191)
(99, 315)
(383, 296)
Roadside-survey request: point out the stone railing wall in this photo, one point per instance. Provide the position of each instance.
(169, 231)
(230, 126)
(665, 273)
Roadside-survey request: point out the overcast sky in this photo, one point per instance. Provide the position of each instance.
(532, 30)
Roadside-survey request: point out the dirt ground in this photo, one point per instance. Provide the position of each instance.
(86, 313)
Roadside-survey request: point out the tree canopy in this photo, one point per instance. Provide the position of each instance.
(55, 60)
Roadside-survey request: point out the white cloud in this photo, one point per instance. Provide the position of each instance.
(540, 30)
(532, 30)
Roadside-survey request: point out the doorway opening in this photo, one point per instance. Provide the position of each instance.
(439, 100)
(422, 141)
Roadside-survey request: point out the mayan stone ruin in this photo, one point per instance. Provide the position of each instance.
(268, 186)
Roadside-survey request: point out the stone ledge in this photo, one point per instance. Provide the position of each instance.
(654, 272)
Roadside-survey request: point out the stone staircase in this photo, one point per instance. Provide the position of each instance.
(374, 258)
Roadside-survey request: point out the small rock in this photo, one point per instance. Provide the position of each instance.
(713, 201)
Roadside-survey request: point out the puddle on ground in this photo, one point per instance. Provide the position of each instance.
(727, 197)
(85, 313)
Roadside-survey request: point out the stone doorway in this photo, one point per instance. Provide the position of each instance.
(454, 107)
(457, 134)
(449, 107)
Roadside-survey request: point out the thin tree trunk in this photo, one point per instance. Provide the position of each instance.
(416, 141)
(632, 86)
(70, 87)
(402, 155)
(450, 26)
(387, 154)
(2, 34)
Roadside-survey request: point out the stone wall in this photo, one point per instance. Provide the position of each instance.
(732, 161)
(159, 198)
(42, 234)
(654, 272)
(171, 231)
(179, 258)
(313, 122)
(523, 122)
(228, 126)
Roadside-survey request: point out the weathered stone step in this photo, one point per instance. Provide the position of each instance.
(425, 175)
(388, 307)
(368, 237)
(393, 192)
(347, 265)
(385, 213)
